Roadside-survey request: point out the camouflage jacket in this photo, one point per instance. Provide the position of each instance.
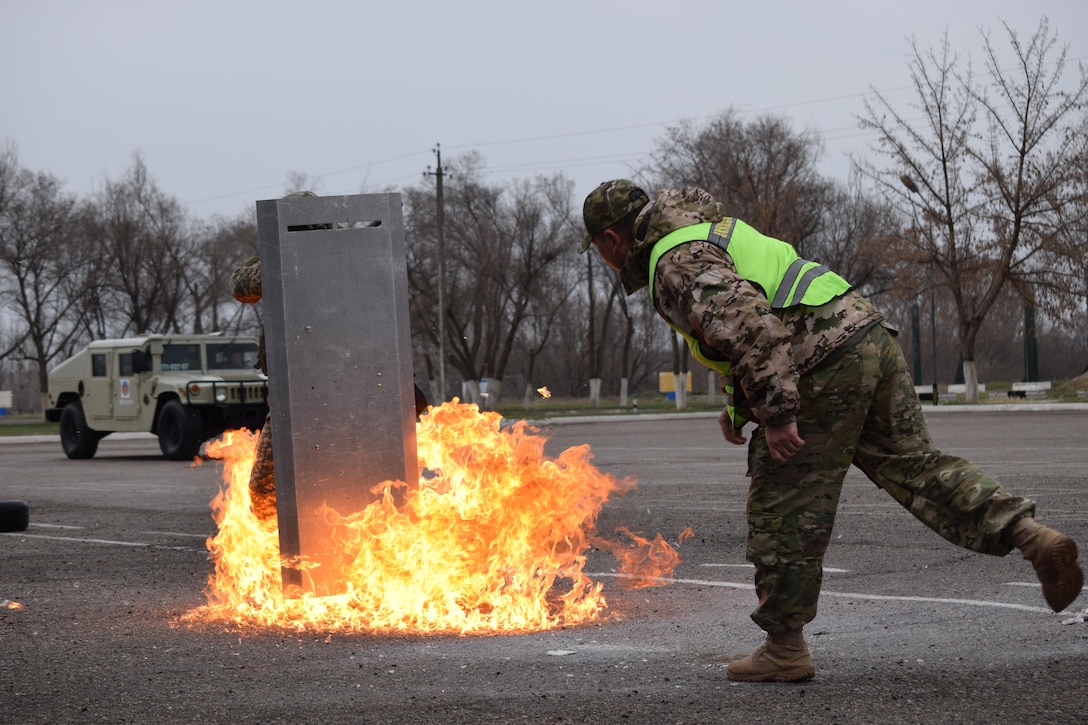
(697, 289)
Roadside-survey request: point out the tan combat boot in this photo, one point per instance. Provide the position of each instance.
(1054, 556)
(783, 657)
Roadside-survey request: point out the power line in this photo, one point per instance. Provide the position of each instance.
(533, 139)
(828, 135)
(316, 176)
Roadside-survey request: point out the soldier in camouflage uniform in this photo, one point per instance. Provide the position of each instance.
(245, 285)
(828, 387)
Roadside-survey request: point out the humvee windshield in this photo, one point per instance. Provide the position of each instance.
(181, 357)
(231, 355)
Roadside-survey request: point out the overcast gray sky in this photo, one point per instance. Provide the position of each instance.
(226, 98)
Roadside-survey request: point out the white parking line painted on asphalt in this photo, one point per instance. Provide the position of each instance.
(82, 541)
(938, 600)
(150, 533)
(1033, 585)
(848, 595)
(108, 542)
(694, 582)
(752, 566)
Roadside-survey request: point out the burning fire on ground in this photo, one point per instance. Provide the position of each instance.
(494, 537)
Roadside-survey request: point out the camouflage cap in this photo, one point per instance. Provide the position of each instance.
(607, 204)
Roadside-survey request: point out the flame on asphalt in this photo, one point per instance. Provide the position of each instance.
(494, 537)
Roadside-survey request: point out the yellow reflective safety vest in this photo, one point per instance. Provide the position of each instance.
(773, 265)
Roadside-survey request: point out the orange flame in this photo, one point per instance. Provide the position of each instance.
(544, 392)
(644, 563)
(492, 538)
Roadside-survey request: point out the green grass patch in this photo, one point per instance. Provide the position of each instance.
(27, 426)
(568, 407)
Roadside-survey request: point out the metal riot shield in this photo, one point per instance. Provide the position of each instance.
(335, 298)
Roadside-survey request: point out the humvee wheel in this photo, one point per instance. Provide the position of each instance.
(77, 440)
(180, 431)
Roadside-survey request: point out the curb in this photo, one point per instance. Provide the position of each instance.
(611, 418)
(989, 408)
(56, 438)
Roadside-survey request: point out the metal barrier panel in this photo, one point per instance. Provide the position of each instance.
(335, 299)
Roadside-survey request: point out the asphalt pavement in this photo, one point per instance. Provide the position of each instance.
(910, 629)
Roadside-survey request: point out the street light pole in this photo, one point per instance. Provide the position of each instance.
(933, 322)
(913, 189)
(916, 342)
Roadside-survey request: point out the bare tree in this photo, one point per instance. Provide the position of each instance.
(94, 285)
(600, 335)
(467, 322)
(986, 175)
(537, 330)
(492, 238)
(217, 249)
(854, 238)
(39, 262)
(420, 226)
(141, 232)
(629, 331)
(1065, 251)
(502, 249)
(762, 171)
(608, 336)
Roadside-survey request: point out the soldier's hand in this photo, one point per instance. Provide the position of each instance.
(732, 434)
(783, 441)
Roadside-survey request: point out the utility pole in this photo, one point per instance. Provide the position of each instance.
(441, 218)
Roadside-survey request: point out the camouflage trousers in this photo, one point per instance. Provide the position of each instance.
(262, 480)
(859, 409)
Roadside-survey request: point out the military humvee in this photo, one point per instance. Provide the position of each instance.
(183, 388)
